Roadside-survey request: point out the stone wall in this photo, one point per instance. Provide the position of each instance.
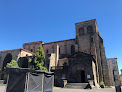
(63, 61)
(25, 53)
(105, 70)
(112, 63)
(52, 60)
(65, 46)
(32, 46)
(121, 79)
(77, 63)
(16, 54)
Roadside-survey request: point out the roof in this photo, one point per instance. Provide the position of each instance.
(47, 43)
(59, 41)
(33, 42)
(28, 51)
(10, 50)
(19, 49)
(86, 54)
(86, 21)
(111, 58)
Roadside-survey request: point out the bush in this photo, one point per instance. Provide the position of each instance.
(102, 85)
(13, 63)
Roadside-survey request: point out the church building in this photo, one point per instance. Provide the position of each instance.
(78, 60)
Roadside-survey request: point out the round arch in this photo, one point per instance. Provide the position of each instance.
(23, 62)
(72, 49)
(89, 29)
(81, 31)
(7, 59)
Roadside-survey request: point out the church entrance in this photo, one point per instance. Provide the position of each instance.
(80, 74)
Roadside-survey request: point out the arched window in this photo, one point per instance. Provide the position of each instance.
(7, 59)
(72, 49)
(81, 31)
(25, 62)
(47, 51)
(89, 29)
(53, 48)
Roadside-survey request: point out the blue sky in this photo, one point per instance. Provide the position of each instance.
(24, 21)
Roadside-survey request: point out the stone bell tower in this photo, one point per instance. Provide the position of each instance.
(85, 32)
(88, 41)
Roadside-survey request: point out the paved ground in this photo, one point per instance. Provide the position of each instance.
(84, 90)
(3, 87)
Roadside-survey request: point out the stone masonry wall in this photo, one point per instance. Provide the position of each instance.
(105, 70)
(14, 54)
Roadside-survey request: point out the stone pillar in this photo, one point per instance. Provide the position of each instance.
(52, 60)
(94, 73)
(76, 47)
(93, 52)
(57, 55)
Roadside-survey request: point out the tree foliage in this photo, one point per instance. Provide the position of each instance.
(13, 63)
(102, 85)
(37, 61)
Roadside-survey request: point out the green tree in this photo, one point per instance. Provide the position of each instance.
(13, 63)
(37, 61)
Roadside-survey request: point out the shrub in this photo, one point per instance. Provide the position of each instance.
(102, 85)
(13, 63)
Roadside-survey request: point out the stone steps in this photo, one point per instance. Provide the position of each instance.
(77, 85)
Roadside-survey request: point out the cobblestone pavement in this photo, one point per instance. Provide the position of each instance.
(84, 90)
